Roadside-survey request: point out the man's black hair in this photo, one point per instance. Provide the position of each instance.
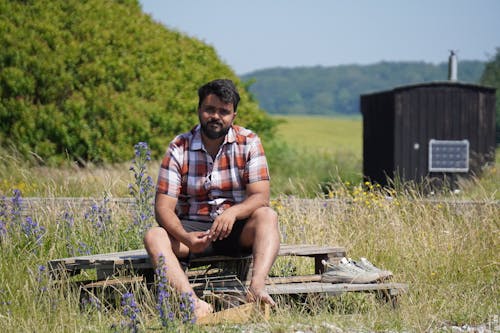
(222, 88)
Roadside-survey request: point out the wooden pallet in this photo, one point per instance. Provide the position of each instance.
(110, 266)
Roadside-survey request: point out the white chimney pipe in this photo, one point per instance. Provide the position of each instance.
(452, 66)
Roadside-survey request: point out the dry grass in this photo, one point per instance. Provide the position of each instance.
(446, 250)
(445, 247)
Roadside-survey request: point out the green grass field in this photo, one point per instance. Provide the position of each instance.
(326, 134)
(311, 152)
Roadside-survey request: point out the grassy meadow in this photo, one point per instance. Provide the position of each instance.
(310, 153)
(445, 247)
(332, 135)
(323, 134)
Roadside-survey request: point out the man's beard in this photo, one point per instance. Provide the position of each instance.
(213, 134)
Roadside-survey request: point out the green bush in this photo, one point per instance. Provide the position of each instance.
(491, 77)
(86, 80)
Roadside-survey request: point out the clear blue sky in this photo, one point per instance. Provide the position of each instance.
(255, 34)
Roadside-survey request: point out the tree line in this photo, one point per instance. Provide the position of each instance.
(336, 90)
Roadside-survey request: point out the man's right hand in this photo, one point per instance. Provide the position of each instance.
(198, 241)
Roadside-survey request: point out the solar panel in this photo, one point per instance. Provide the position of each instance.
(448, 155)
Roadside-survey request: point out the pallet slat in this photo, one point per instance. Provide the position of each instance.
(334, 288)
(393, 288)
(140, 256)
(309, 250)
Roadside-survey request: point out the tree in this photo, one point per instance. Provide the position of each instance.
(86, 80)
(491, 77)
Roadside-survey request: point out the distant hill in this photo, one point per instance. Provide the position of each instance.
(336, 90)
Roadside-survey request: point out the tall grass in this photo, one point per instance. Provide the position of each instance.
(445, 246)
(446, 251)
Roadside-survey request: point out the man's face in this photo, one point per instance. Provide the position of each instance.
(216, 117)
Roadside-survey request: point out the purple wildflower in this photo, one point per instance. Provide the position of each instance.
(130, 310)
(99, 216)
(143, 188)
(42, 277)
(163, 304)
(83, 249)
(32, 230)
(3, 229)
(90, 301)
(142, 151)
(68, 219)
(10, 214)
(16, 205)
(66, 223)
(187, 308)
(3, 217)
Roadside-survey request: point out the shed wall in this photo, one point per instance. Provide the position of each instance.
(378, 136)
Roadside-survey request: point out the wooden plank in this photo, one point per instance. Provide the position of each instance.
(210, 259)
(139, 254)
(334, 288)
(293, 279)
(140, 258)
(136, 258)
(231, 281)
(142, 255)
(114, 282)
(309, 250)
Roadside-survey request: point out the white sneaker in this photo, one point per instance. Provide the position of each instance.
(346, 272)
(366, 265)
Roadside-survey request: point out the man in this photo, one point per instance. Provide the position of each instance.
(213, 196)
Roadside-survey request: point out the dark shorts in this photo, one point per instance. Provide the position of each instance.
(229, 246)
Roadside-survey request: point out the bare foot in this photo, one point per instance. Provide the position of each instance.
(202, 308)
(259, 295)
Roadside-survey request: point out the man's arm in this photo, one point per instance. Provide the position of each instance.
(258, 194)
(166, 217)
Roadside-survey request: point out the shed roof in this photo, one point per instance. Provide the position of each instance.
(436, 84)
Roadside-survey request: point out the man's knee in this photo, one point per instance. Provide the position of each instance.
(265, 217)
(268, 214)
(262, 223)
(155, 235)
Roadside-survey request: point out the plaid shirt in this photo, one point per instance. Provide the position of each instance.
(205, 187)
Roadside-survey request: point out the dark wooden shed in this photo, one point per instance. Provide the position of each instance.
(430, 130)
